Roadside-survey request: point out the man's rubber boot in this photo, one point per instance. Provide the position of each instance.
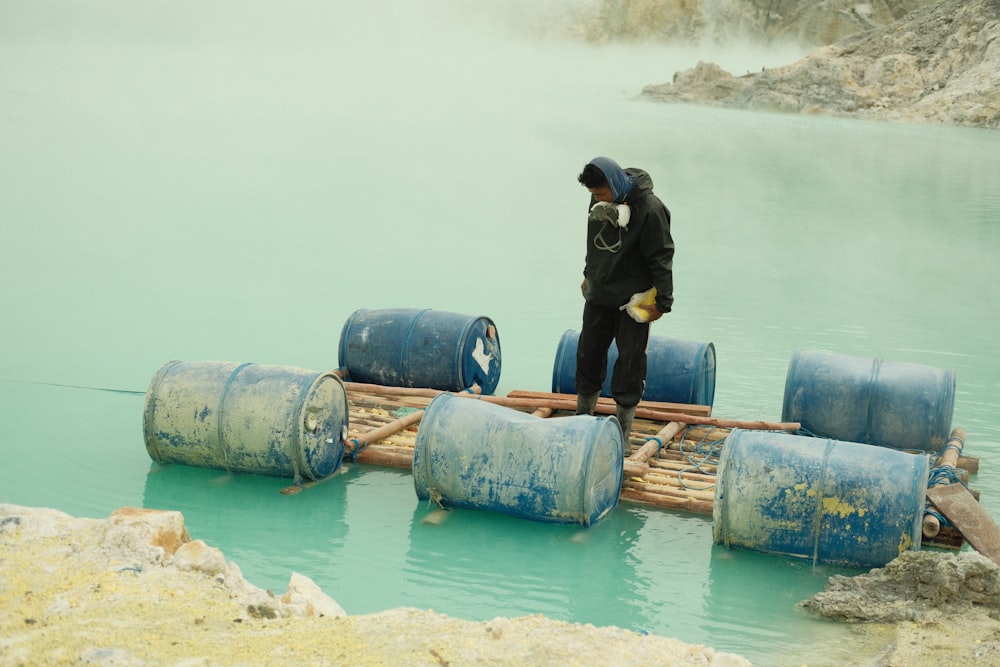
(585, 403)
(625, 416)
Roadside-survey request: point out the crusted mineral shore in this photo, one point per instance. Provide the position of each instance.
(939, 64)
(943, 608)
(136, 590)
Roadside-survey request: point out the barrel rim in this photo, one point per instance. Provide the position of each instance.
(490, 380)
(309, 389)
(592, 511)
(557, 387)
(149, 409)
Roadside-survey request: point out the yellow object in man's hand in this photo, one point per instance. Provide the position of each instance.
(635, 308)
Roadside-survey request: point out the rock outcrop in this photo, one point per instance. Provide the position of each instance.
(940, 64)
(809, 22)
(135, 589)
(914, 586)
(941, 607)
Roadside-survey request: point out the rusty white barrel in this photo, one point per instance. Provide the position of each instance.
(251, 418)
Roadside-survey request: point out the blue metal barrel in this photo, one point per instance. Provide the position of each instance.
(842, 503)
(404, 347)
(477, 455)
(251, 418)
(857, 399)
(677, 371)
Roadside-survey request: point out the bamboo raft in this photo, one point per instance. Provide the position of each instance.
(671, 456)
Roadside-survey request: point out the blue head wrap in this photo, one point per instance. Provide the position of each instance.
(619, 181)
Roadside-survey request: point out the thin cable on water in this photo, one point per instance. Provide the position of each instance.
(77, 386)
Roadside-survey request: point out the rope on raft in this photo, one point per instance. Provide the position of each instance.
(706, 452)
(945, 474)
(359, 446)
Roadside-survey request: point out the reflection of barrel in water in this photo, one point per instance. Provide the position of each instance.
(248, 511)
(753, 614)
(522, 567)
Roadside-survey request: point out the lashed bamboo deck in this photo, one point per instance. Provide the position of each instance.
(671, 457)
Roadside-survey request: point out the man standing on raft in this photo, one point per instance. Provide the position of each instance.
(629, 255)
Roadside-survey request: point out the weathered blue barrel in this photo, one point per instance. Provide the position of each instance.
(842, 503)
(252, 418)
(478, 455)
(404, 347)
(677, 371)
(857, 399)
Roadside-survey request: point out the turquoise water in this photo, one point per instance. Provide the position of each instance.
(230, 181)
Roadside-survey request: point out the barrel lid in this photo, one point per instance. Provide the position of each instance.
(323, 424)
(480, 355)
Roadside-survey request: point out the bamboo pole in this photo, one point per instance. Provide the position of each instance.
(660, 466)
(969, 464)
(668, 486)
(723, 423)
(670, 490)
(363, 388)
(360, 442)
(387, 455)
(949, 457)
(375, 398)
(699, 410)
(636, 465)
(664, 501)
(673, 477)
(643, 413)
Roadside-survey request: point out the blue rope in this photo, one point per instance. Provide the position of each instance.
(944, 475)
(942, 520)
(708, 451)
(954, 443)
(358, 448)
(659, 444)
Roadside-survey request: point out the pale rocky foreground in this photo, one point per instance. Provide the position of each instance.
(135, 589)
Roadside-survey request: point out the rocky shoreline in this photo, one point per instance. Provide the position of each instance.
(938, 64)
(135, 589)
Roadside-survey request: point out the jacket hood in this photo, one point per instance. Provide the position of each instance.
(618, 180)
(642, 183)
